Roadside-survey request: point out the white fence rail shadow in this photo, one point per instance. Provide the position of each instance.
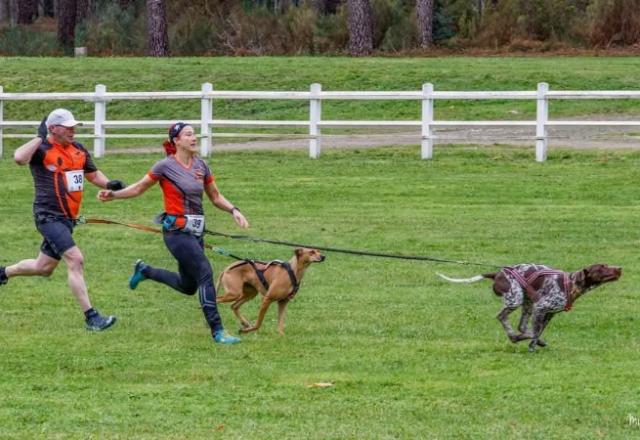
(207, 123)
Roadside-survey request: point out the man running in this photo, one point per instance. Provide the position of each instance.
(59, 167)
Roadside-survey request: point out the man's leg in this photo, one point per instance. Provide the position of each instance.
(75, 272)
(43, 266)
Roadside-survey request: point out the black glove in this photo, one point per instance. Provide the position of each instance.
(115, 185)
(43, 130)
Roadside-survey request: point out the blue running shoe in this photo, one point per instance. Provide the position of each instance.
(221, 338)
(137, 276)
(98, 323)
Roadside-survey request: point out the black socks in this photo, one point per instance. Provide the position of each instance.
(90, 313)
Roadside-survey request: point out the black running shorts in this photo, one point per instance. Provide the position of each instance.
(56, 235)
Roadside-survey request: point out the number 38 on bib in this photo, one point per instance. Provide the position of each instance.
(75, 180)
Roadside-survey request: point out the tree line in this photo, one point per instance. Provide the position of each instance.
(355, 27)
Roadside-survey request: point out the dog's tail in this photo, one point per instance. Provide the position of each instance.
(464, 280)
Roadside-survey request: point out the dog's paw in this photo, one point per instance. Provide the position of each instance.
(541, 343)
(522, 337)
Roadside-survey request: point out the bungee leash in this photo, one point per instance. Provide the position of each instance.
(348, 251)
(84, 220)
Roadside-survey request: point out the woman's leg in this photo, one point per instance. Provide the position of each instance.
(182, 247)
(195, 274)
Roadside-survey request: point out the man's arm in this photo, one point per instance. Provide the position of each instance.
(98, 179)
(24, 153)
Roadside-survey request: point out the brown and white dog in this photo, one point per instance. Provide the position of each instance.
(541, 292)
(275, 280)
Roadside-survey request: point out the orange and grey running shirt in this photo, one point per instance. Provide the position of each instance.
(58, 176)
(182, 186)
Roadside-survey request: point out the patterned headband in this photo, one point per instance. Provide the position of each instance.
(175, 130)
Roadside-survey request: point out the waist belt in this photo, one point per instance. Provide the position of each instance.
(51, 218)
(190, 224)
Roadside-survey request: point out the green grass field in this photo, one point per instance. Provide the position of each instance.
(334, 73)
(409, 356)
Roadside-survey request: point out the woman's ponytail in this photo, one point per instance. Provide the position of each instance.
(169, 147)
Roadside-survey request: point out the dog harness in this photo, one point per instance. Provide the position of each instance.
(527, 282)
(260, 274)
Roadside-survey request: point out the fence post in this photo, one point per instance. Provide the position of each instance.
(427, 121)
(1, 121)
(100, 114)
(315, 115)
(542, 115)
(206, 114)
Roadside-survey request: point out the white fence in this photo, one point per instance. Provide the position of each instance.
(315, 123)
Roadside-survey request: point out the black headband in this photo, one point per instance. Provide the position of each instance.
(175, 130)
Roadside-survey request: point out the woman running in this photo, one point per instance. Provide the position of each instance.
(183, 177)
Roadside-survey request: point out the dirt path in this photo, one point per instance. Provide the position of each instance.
(559, 137)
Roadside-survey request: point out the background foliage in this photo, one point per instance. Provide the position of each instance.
(218, 27)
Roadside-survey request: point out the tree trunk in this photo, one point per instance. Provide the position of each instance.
(27, 11)
(83, 8)
(157, 28)
(48, 9)
(327, 7)
(360, 28)
(424, 15)
(67, 24)
(4, 10)
(13, 12)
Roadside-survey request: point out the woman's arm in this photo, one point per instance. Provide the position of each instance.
(130, 191)
(220, 202)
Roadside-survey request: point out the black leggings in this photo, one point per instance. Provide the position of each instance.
(196, 274)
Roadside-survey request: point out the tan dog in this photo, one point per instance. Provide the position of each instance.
(275, 280)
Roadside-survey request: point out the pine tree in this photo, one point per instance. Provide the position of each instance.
(360, 27)
(67, 24)
(157, 28)
(424, 15)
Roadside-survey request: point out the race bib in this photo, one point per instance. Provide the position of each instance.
(75, 180)
(194, 224)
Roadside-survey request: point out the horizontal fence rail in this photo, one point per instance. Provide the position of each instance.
(314, 124)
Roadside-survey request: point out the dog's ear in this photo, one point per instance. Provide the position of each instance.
(592, 270)
(299, 252)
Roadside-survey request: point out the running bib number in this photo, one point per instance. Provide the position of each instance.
(194, 224)
(75, 180)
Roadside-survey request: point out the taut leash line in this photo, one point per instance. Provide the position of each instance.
(83, 220)
(348, 251)
(221, 251)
